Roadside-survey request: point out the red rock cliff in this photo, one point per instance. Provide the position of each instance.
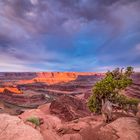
(47, 77)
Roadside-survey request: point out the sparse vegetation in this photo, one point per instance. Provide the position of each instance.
(109, 88)
(34, 120)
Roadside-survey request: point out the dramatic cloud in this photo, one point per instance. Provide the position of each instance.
(69, 35)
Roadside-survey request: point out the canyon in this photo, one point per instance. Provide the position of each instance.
(31, 89)
(59, 100)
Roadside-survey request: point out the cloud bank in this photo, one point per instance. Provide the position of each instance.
(69, 35)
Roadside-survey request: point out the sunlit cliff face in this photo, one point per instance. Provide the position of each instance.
(11, 90)
(49, 78)
(58, 77)
(45, 77)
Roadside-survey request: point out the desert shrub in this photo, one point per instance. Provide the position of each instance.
(34, 120)
(109, 88)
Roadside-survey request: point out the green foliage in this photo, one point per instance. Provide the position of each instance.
(109, 88)
(129, 71)
(94, 104)
(127, 103)
(34, 120)
(122, 100)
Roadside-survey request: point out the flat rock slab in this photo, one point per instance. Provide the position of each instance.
(13, 128)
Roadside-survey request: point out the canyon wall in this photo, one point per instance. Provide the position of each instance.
(52, 85)
(34, 86)
(46, 77)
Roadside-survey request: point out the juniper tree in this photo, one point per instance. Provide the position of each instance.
(109, 88)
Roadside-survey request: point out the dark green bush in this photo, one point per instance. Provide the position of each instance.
(34, 120)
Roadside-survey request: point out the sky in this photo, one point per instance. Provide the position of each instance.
(69, 35)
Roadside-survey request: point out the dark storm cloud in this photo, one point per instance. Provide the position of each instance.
(5, 41)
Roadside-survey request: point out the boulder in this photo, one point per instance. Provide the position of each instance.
(12, 128)
(125, 128)
(47, 128)
(49, 121)
(68, 108)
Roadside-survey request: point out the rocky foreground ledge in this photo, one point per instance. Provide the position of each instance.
(53, 128)
(77, 125)
(86, 128)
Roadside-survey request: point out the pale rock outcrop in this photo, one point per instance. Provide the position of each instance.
(13, 128)
(106, 111)
(126, 128)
